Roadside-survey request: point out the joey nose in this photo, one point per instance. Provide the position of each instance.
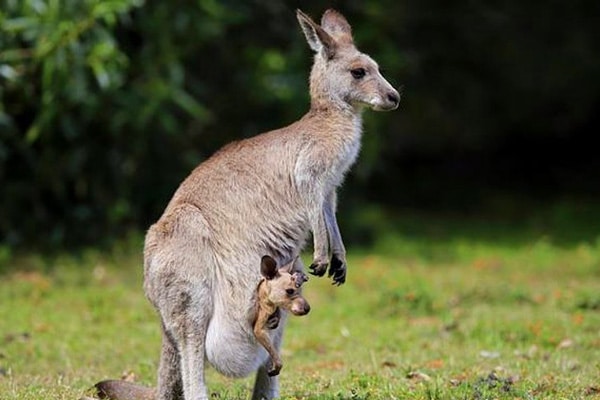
(301, 308)
(306, 308)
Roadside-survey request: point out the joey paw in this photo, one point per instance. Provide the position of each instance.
(273, 320)
(275, 369)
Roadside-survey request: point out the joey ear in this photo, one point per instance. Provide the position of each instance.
(337, 26)
(317, 38)
(268, 267)
(289, 268)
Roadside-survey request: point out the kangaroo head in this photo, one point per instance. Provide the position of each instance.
(341, 75)
(283, 286)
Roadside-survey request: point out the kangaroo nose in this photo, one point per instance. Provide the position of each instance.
(393, 97)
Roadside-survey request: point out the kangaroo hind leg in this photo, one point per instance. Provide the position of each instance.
(185, 331)
(170, 386)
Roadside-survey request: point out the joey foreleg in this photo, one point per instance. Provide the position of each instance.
(263, 338)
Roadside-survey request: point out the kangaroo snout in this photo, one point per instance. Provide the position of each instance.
(394, 99)
(389, 102)
(387, 99)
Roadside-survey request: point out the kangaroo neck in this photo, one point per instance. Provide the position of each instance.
(321, 102)
(335, 116)
(334, 123)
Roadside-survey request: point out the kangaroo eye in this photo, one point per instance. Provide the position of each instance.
(358, 73)
(290, 291)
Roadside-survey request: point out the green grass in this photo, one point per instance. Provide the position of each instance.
(435, 309)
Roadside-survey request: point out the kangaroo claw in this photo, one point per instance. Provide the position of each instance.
(318, 268)
(337, 270)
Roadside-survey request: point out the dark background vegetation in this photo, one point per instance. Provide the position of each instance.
(108, 105)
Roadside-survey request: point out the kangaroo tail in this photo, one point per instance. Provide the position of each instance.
(123, 390)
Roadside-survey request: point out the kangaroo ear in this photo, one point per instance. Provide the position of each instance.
(317, 38)
(268, 267)
(337, 26)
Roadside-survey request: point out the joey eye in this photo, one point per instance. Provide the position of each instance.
(290, 291)
(358, 73)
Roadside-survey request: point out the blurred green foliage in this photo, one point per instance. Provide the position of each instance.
(106, 105)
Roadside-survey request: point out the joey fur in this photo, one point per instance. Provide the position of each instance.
(261, 195)
(279, 289)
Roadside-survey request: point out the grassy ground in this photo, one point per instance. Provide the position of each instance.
(446, 308)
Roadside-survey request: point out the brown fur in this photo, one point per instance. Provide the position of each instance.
(278, 289)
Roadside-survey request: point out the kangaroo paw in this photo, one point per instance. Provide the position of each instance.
(337, 270)
(318, 268)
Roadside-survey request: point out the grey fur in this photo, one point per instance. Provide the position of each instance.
(257, 196)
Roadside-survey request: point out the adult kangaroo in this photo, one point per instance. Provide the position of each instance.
(257, 196)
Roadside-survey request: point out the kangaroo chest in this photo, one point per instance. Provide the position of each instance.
(337, 150)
